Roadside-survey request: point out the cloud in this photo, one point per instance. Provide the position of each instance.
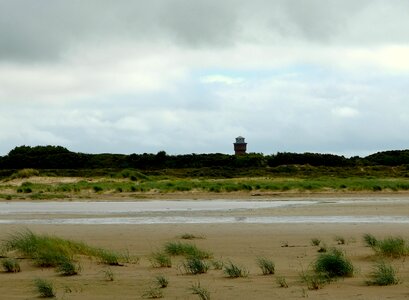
(221, 79)
(188, 76)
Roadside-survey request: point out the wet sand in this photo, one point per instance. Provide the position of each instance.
(288, 245)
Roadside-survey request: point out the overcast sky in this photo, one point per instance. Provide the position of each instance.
(185, 76)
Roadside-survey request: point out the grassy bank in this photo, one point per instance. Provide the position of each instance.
(135, 184)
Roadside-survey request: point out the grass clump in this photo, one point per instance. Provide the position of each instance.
(370, 240)
(11, 265)
(383, 274)
(334, 264)
(315, 281)
(50, 251)
(189, 236)
(194, 265)
(160, 260)
(161, 281)
(45, 288)
(68, 268)
(108, 274)
(235, 271)
(282, 282)
(394, 247)
(200, 291)
(266, 265)
(217, 264)
(153, 293)
(185, 249)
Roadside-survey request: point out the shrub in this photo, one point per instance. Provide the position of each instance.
(202, 293)
(97, 188)
(25, 173)
(161, 281)
(11, 265)
(334, 264)
(266, 265)
(383, 274)
(195, 266)
(370, 240)
(160, 260)
(234, 271)
(45, 288)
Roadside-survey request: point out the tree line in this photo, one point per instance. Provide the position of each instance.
(58, 157)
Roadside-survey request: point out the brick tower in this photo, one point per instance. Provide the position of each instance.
(240, 146)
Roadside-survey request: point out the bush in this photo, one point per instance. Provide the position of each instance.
(11, 265)
(44, 288)
(266, 265)
(383, 274)
(334, 264)
(234, 271)
(195, 266)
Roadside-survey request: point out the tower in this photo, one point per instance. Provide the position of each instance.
(240, 146)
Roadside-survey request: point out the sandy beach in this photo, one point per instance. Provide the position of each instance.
(288, 245)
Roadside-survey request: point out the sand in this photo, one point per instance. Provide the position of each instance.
(288, 245)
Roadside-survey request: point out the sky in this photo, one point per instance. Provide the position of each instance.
(183, 76)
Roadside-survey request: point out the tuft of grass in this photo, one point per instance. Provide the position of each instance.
(370, 240)
(11, 265)
(161, 281)
(108, 274)
(282, 282)
(45, 288)
(235, 271)
(266, 265)
(315, 242)
(185, 249)
(334, 264)
(68, 268)
(194, 265)
(394, 247)
(50, 251)
(153, 293)
(200, 291)
(315, 281)
(217, 264)
(160, 260)
(383, 274)
(190, 236)
(323, 248)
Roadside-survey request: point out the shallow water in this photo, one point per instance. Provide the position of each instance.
(187, 211)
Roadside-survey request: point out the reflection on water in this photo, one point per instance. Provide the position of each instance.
(215, 220)
(187, 211)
